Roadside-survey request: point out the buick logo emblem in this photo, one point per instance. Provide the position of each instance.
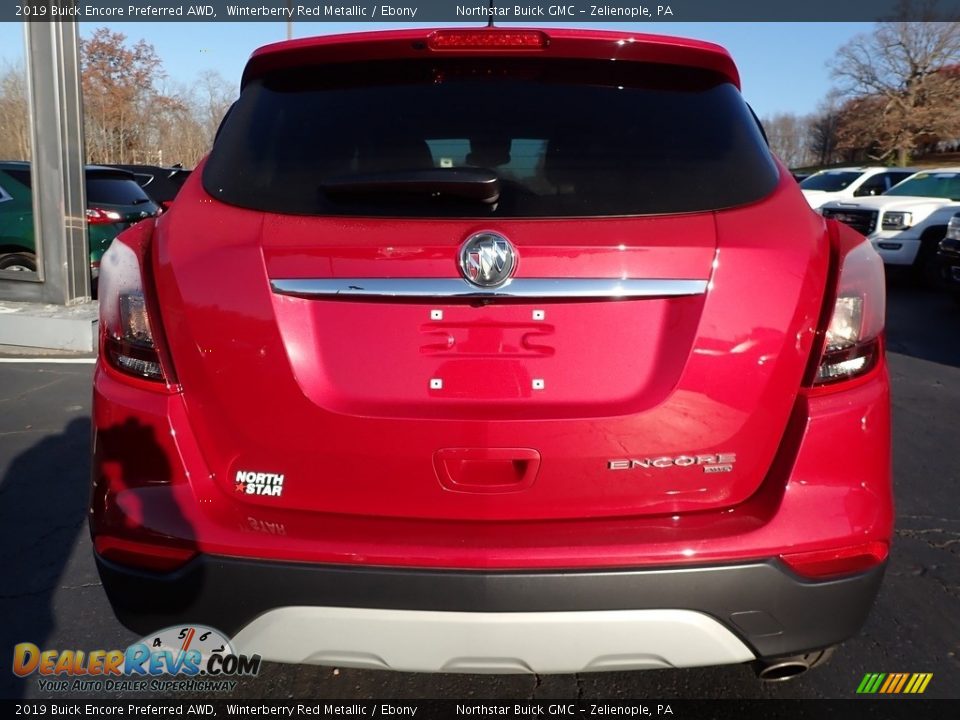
(487, 259)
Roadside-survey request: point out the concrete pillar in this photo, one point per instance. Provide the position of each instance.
(59, 202)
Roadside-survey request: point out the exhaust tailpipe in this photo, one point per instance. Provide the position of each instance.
(782, 669)
(787, 668)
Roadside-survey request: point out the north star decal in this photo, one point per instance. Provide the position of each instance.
(719, 462)
(258, 483)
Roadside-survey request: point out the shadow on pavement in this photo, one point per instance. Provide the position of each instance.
(43, 505)
(46, 562)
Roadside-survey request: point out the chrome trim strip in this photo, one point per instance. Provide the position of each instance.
(532, 288)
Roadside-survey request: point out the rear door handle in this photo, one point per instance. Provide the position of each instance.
(486, 470)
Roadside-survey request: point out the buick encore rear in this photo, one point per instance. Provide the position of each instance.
(494, 351)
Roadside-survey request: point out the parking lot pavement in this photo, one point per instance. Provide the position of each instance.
(50, 593)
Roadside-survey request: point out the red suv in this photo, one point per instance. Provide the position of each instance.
(494, 351)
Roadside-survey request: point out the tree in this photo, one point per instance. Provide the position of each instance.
(14, 113)
(822, 130)
(787, 135)
(905, 75)
(214, 96)
(132, 112)
(134, 115)
(118, 92)
(185, 119)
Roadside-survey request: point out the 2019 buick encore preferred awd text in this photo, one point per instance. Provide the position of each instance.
(473, 350)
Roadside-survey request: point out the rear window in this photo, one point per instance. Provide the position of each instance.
(830, 181)
(22, 176)
(114, 190)
(564, 138)
(934, 184)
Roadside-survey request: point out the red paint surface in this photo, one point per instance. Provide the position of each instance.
(381, 469)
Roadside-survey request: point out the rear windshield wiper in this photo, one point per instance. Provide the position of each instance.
(475, 184)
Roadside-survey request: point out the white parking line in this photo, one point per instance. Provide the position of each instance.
(60, 361)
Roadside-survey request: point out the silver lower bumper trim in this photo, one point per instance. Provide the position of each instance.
(477, 642)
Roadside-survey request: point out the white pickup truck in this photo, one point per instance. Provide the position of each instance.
(849, 183)
(907, 222)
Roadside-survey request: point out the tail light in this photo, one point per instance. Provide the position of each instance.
(491, 39)
(821, 564)
(130, 343)
(99, 216)
(852, 337)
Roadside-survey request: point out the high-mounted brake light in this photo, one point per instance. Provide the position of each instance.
(852, 342)
(99, 216)
(490, 39)
(129, 342)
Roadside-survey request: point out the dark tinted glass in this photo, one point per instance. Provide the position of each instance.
(830, 181)
(565, 138)
(165, 186)
(930, 184)
(161, 183)
(899, 177)
(873, 185)
(114, 190)
(22, 176)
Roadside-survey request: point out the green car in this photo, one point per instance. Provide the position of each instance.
(114, 202)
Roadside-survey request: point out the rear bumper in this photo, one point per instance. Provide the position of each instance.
(491, 621)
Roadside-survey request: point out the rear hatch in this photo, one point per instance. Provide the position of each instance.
(117, 191)
(339, 351)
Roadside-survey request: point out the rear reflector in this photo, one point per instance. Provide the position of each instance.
(492, 39)
(158, 558)
(820, 564)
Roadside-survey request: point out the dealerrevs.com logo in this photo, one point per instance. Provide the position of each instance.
(191, 658)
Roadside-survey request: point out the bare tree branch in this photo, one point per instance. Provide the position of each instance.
(901, 83)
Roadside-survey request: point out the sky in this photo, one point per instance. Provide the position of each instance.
(783, 66)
